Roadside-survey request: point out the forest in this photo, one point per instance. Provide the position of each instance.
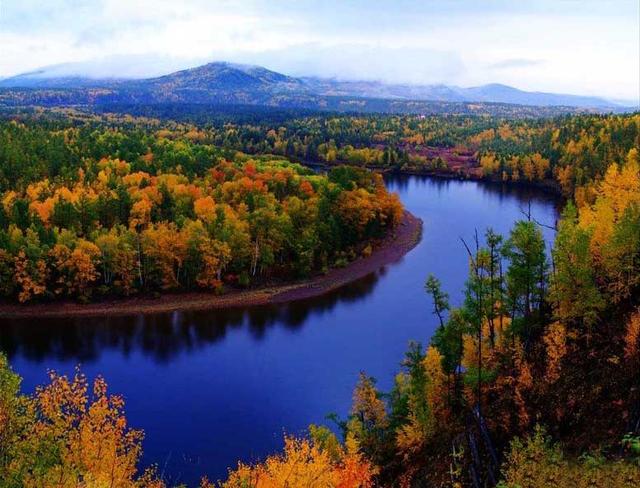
(533, 380)
(565, 152)
(96, 211)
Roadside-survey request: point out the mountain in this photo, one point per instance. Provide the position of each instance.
(215, 81)
(506, 94)
(228, 83)
(42, 78)
(492, 93)
(225, 76)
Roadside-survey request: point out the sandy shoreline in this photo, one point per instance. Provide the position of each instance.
(390, 249)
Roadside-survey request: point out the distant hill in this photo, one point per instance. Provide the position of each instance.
(492, 93)
(227, 83)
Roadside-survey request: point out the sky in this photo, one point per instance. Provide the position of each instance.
(586, 47)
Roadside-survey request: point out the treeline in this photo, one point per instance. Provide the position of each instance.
(89, 211)
(573, 150)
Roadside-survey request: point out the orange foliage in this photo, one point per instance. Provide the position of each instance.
(204, 208)
(140, 214)
(366, 404)
(30, 277)
(555, 341)
(632, 337)
(303, 464)
(77, 267)
(167, 247)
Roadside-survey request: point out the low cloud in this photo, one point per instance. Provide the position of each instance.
(515, 63)
(127, 66)
(362, 62)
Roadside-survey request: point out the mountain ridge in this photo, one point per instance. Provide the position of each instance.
(225, 82)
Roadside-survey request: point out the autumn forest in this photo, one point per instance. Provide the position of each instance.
(303, 244)
(532, 380)
(116, 211)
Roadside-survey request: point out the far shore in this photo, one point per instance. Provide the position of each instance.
(386, 251)
(471, 171)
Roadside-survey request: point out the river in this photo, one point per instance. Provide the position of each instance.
(209, 388)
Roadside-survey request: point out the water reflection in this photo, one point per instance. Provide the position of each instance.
(523, 194)
(163, 336)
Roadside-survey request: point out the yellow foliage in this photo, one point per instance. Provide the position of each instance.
(303, 464)
(619, 189)
(8, 199)
(366, 404)
(411, 437)
(436, 388)
(167, 247)
(204, 208)
(490, 164)
(72, 439)
(632, 337)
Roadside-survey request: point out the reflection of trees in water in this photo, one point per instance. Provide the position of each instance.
(162, 336)
(523, 194)
(401, 183)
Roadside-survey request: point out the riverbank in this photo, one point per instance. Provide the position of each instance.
(465, 168)
(385, 251)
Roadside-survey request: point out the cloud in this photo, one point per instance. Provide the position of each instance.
(587, 47)
(127, 66)
(515, 63)
(361, 62)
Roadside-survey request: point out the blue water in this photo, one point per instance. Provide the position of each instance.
(209, 388)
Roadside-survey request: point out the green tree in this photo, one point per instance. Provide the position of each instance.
(526, 275)
(574, 291)
(440, 299)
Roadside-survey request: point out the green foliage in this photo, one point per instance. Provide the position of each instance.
(574, 289)
(632, 443)
(526, 277)
(440, 299)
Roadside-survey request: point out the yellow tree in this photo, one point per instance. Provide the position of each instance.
(69, 438)
(30, 277)
(77, 268)
(305, 464)
(166, 246)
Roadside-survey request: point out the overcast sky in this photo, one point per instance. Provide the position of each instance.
(571, 46)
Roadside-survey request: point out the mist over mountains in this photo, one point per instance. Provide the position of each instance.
(228, 83)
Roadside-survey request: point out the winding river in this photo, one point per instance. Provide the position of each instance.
(210, 388)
